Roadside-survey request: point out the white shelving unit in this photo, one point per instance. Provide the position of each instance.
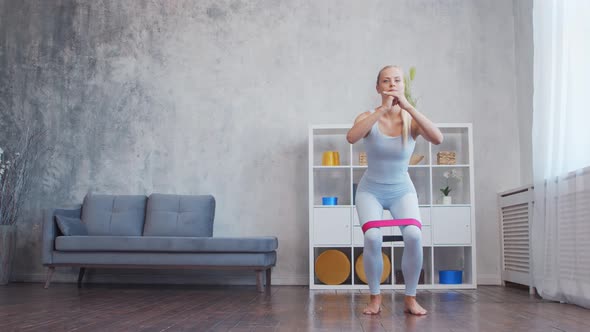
(448, 230)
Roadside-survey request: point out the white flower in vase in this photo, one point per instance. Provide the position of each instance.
(446, 191)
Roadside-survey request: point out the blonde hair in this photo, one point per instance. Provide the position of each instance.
(406, 117)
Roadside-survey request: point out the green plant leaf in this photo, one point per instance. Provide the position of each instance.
(446, 191)
(408, 86)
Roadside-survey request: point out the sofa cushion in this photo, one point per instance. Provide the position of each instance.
(166, 244)
(179, 215)
(114, 214)
(70, 226)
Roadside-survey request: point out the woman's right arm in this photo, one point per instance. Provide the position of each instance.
(363, 124)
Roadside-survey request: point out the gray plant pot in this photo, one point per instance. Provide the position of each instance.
(7, 248)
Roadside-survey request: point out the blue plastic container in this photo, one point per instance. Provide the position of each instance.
(330, 200)
(450, 276)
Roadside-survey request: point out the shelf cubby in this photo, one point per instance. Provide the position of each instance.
(448, 230)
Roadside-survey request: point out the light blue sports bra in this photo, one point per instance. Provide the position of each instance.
(387, 156)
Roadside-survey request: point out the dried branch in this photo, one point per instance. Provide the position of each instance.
(17, 170)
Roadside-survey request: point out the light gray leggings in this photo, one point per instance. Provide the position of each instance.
(370, 207)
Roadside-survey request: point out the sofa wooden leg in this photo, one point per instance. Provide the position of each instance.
(259, 285)
(81, 276)
(50, 271)
(268, 282)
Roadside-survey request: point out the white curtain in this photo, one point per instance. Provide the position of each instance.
(561, 150)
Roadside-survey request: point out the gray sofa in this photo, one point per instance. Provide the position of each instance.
(159, 231)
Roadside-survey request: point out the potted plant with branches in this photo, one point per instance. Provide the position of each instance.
(453, 174)
(17, 166)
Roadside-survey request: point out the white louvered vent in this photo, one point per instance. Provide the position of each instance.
(515, 225)
(515, 210)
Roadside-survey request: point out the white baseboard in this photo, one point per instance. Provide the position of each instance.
(209, 278)
(489, 279)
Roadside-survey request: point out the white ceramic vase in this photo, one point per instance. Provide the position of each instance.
(447, 200)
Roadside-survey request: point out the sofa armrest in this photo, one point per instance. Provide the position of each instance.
(50, 230)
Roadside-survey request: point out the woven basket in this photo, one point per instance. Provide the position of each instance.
(363, 159)
(446, 158)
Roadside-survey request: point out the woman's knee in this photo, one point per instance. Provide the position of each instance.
(373, 238)
(412, 235)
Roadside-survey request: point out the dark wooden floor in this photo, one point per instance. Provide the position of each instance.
(63, 307)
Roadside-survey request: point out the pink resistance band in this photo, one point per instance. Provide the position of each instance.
(390, 222)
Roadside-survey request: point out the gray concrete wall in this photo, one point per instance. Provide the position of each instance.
(216, 97)
(523, 51)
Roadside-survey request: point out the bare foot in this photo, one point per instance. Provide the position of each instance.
(412, 306)
(374, 306)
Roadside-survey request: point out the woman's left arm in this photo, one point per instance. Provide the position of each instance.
(423, 126)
